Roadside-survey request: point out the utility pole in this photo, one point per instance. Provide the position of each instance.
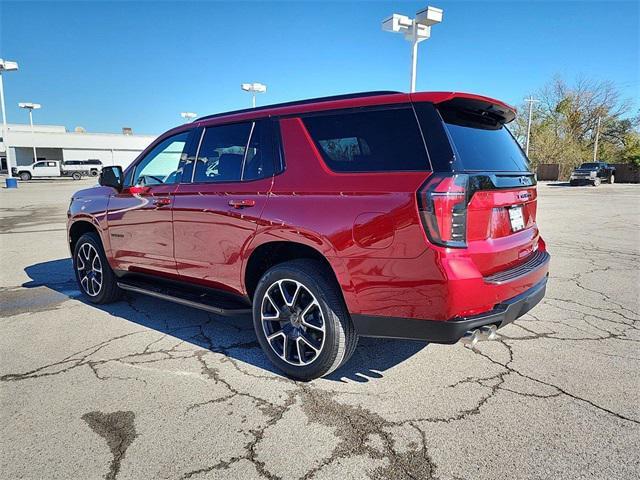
(595, 145)
(530, 101)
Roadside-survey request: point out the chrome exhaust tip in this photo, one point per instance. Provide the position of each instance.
(470, 338)
(489, 332)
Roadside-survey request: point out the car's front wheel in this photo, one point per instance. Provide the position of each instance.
(301, 320)
(93, 273)
(76, 176)
(25, 176)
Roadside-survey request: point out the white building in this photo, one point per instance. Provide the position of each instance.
(53, 142)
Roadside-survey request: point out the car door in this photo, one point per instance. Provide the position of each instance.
(46, 169)
(139, 217)
(218, 205)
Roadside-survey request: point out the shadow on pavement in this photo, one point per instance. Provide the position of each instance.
(233, 336)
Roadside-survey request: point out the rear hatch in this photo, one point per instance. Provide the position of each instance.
(483, 196)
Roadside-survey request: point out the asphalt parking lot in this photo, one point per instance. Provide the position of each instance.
(145, 389)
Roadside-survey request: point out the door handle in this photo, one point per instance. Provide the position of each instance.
(161, 201)
(242, 203)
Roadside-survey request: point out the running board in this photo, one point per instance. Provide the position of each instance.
(203, 299)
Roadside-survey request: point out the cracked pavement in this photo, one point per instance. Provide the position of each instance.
(147, 389)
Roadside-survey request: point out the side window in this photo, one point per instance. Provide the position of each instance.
(38, 165)
(233, 153)
(162, 164)
(369, 141)
(259, 156)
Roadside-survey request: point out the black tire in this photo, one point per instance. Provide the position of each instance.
(109, 291)
(339, 337)
(93, 173)
(76, 175)
(612, 179)
(25, 176)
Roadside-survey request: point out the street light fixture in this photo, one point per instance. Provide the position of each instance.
(188, 116)
(31, 107)
(415, 31)
(6, 66)
(254, 88)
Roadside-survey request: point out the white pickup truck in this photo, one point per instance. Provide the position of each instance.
(54, 168)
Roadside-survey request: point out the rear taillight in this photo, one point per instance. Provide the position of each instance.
(442, 202)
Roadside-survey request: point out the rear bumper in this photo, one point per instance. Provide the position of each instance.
(452, 330)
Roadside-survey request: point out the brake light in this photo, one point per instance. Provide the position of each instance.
(442, 202)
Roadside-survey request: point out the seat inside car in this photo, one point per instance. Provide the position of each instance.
(229, 167)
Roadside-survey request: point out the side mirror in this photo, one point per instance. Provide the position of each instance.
(111, 177)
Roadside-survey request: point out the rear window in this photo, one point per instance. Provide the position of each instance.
(369, 141)
(482, 144)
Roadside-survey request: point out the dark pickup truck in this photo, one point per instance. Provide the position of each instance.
(593, 173)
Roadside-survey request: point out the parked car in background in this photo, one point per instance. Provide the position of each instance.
(93, 166)
(55, 168)
(380, 214)
(593, 173)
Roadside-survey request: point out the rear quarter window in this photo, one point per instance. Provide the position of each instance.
(369, 141)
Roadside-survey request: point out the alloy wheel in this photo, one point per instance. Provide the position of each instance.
(293, 322)
(89, 269)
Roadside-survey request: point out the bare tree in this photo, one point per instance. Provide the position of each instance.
(565, 121)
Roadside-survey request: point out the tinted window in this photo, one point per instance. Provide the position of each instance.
(590, 165)
(259, 161)
(233, 153)
(483, 144)
(369, 141)
(162, 164)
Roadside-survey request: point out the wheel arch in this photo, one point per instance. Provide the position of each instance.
(79, 228)
(269, 254)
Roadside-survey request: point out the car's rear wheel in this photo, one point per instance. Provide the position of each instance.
(93, 273)
(612, 179)
(25, 176)
(76, 176)
(301, 321)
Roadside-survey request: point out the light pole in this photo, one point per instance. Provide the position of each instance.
(254, 88)
(415, 31)
(188, 116)
(6, 66)
(31, 107)
(531, 101)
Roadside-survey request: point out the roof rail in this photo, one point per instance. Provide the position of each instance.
(301, 102)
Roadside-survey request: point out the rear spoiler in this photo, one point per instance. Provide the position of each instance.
(476, 105)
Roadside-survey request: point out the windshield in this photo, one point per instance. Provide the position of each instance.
(589, 165)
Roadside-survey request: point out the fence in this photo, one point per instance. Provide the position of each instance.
(548, 171)
(625, 172)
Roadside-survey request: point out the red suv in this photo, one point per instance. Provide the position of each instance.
(379, 214)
